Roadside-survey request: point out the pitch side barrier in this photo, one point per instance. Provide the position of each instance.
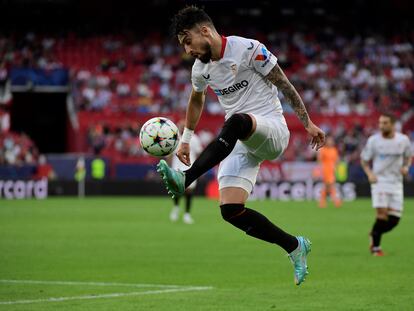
(310, 190)
(284, 190)
(306, 190)
(23, 189)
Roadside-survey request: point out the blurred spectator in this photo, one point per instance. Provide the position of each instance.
(17, 149)
(4, 121)
(98, 168)
(340, 75)
(5, 93)
(123, 142)
(44, 169)
(334, 74)
(97, 138)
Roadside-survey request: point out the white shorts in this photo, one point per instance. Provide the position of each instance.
(268, 142)
(383, 196)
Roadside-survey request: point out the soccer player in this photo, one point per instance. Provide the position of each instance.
(195, 150)
(246, 77)
(328, 158)
(390, 153)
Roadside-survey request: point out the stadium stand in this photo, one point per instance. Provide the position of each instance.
(118, 81)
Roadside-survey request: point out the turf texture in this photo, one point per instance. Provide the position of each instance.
(86, 253)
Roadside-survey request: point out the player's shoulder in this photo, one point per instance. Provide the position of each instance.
(243, 46)
(240, 48)
(400, 135)
(332, 150)
(323, 150)
(242, 42)
(200, 71)
(374, 137)
(198, 67)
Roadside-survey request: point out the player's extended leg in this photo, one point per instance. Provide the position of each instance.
(233, 210)
(238, 126)
(380, 226)
(322, 199)
(387, 218)
(395, 210)
(175, 211)
(334, 195)
(393, 220)
(188, 200)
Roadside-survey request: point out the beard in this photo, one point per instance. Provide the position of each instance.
(386, 132)
(206, 56)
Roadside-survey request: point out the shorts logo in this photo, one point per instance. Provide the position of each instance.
(206, 76)
(224, 142)
(235, 87)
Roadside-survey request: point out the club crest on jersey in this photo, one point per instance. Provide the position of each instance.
(233, 69)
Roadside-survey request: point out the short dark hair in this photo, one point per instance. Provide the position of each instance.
(187, 18)
(389, 115)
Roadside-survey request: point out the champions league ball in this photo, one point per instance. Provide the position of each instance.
(159, 137)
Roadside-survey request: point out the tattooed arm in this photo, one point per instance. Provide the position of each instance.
(279, 79)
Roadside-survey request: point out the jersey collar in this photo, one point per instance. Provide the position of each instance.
(223, 45)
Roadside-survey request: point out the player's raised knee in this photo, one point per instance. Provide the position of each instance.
(230, 211)
(241, 123)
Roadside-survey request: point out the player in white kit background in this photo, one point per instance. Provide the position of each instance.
(196, 148)
(246, 77)
(390, 153)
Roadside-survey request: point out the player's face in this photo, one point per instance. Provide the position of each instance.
(195, 43)
(330, 142)
(385, 125)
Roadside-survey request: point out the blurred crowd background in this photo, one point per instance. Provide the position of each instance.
(118, 66)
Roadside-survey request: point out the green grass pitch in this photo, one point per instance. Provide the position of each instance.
(103, 244)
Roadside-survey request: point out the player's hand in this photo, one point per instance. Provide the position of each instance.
(372, 178)
(318, 136)
(183, 153)
(404, 170)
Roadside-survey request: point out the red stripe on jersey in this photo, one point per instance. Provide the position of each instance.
(223, 45)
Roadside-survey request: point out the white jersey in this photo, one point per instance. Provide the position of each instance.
(387, 156)
(238, 78)
(195, 149)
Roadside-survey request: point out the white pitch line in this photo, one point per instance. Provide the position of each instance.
(111, 295)
(93, 283)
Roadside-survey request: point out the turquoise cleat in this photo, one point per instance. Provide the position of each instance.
(298, 259)
(174, 180)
